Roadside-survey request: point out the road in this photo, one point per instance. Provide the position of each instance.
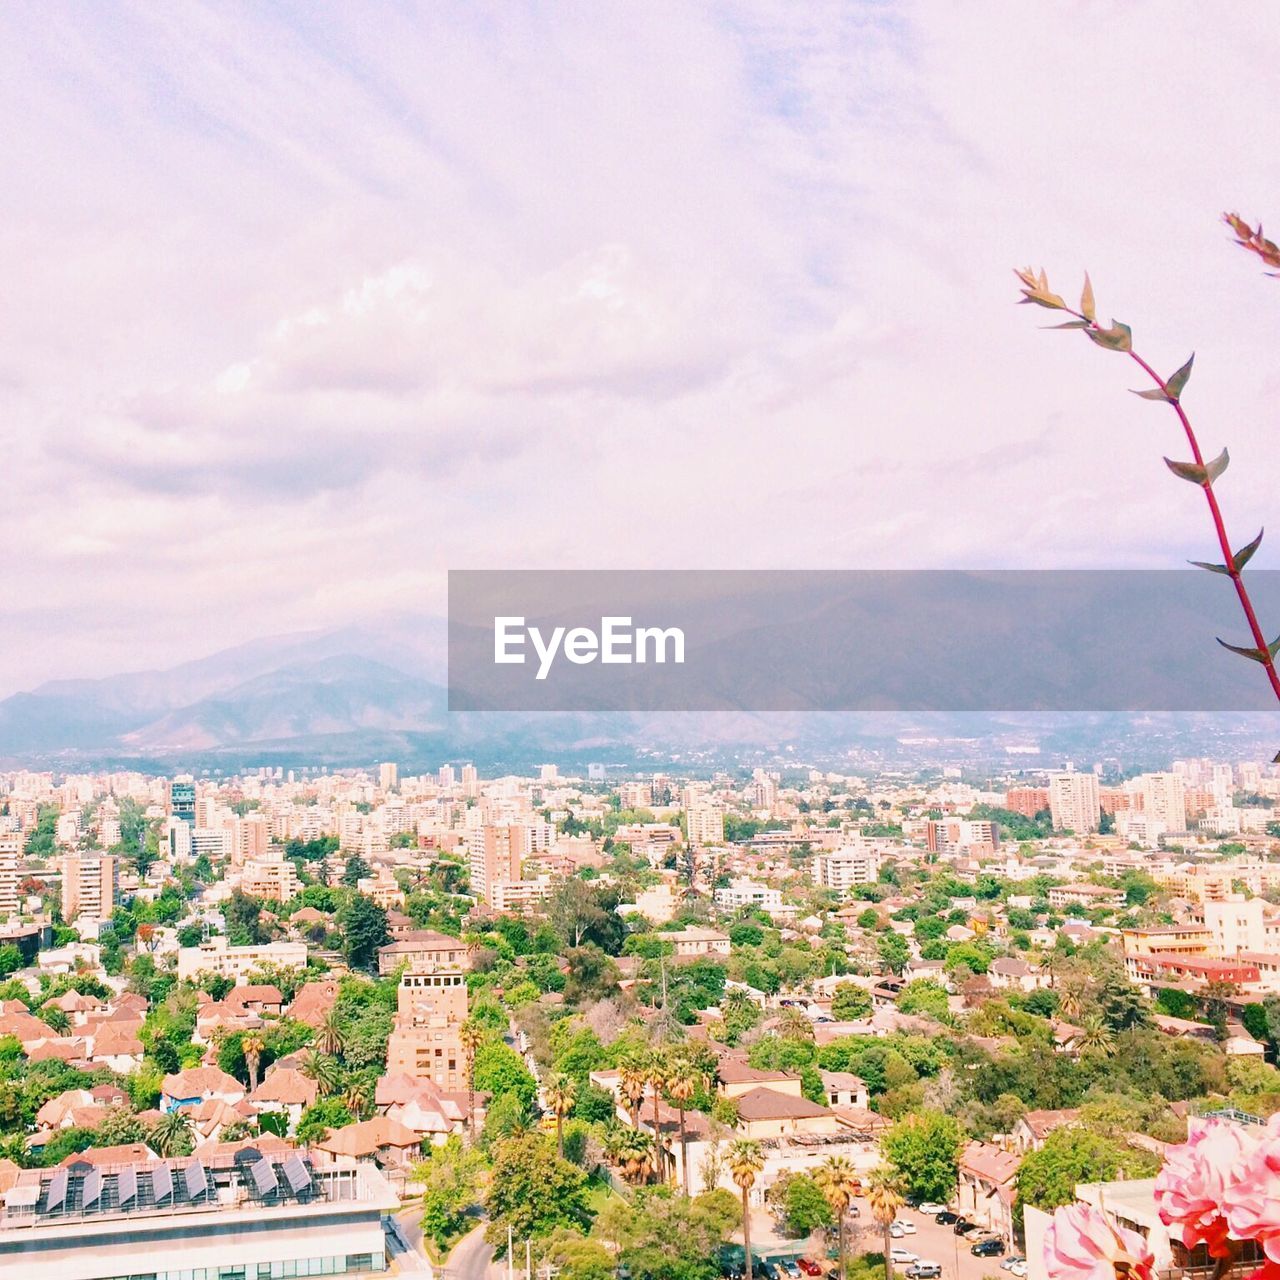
(471, 1259)
(933, 1243)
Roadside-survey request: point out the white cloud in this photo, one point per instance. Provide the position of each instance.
(313, 307)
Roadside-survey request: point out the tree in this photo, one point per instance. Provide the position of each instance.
(923, 1150)
(500, 1069)
(632, 1084)
(801, 1203)
(451, 1179)
(746, 1160)
(332, 1037)
(561, 1094)
(324, 1070)
(471, 1036)
(924, 996)
(893, 952)
(795, 1025)
(1048, 1178)
(252, 1045)
(533, 1191)
(629, 1149)
(838, 1181)
(884, 1198)
(1097, 1038)
(357, 869)
(171, 1135)
(321, 1116)
(364, 930)
(684, 1079)
(850, 1002)
(655, 1069)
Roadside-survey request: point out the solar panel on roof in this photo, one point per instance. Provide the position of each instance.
(161, 1182)
(57, 1191)
(264, 1177)
(296, 1174)
(127, 1185)
(92, 1188)
(194, 1178)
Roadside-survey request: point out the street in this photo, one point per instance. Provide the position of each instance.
(932, 1243)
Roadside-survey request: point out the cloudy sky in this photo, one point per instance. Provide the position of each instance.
(306, 305)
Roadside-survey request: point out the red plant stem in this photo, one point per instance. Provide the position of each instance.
(1219, 525)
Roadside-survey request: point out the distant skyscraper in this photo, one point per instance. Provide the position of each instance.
(388, 776)
(90, 886)
(1074, 801)
(445, 776)
(595, 773)
(182, 800)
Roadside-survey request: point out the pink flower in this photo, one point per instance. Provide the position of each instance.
(1083, 1244)
(1192, 1187)
(1252, 1200)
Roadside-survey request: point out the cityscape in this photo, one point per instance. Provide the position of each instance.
(286, 1023)
(585, 691)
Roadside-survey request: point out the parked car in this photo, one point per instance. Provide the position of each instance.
(946, 1218)
(1019, 1268)
(1011, 1261)
(905, 1227)
(924, 1270)
(792, 1268)
(992, 1247)
(766, 1269)
(903, 1257)
(932, 1209)
(961, 1226)
(810, 1267)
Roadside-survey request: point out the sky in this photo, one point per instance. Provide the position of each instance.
(306, 305)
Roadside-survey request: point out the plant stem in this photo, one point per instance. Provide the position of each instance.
(1219, 525)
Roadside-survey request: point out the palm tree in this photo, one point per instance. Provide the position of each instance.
(655, 1070)
(332, 1039)
(684, 1079)
(323, 1069)
(631, 1086)
(794, 1025)
(884, 1197)
(252, 1045)
(471, 1037)
(630, 1150)
(1097, 1038)
(561, 1093)
(838, 1181)
(746, 1159)
(171, 1134)
(1069, 1003)
(356, 1098)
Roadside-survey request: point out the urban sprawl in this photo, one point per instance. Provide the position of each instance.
(651, 1028)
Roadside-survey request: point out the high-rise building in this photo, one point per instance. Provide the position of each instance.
(957, 835)
(1074, 801)
(1164, 800)
(704, 820)
(470, 781)
(431, 1006)
(496, 854)
(1028, 801)
(388, 776)
(182, 800)
(10, 855)
(842, 869)
(90, 885)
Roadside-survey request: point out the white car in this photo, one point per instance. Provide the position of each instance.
(903, 1257)
(1019, 1268)
(932, 1209)
(902, 1228)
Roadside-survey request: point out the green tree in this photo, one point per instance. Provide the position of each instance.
(804, 1207)
(893, 952)
(923, 1150)
(499, 1069)
(451, 1180)
(924, 996)
(321, 1116)
(850, 1002)
(364, 929)
(533, 1191)
(1047, 1178)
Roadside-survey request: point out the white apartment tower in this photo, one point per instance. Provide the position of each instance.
(1074, 801)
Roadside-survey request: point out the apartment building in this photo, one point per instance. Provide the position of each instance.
(704, 821)
(424, 951)
(1074, 801)
(10, 863)
(272, 878)
(745, 892)
(218, 956)
(430, 1010)
(843, 869)
(90, 885)
(957, 835)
